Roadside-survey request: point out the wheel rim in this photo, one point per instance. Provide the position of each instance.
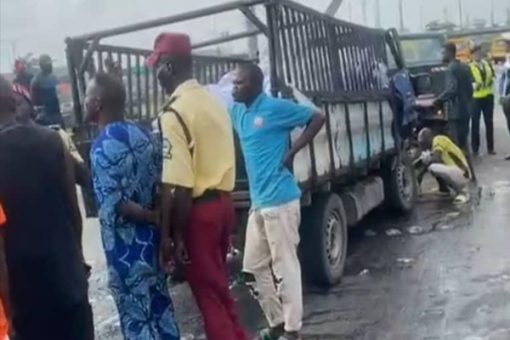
(405, 182)
(334, 239)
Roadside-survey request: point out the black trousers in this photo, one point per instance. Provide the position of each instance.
(506, 111)
(459, 132)
(483, 106)
(72, 323)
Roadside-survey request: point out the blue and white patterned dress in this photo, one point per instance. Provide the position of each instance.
(126, 166)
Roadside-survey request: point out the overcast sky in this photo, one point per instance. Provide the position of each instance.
(40, 26)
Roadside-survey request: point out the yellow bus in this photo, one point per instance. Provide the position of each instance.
(498, 50)
(464, 46)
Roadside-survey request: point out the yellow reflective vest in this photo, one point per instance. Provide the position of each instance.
(482, 88)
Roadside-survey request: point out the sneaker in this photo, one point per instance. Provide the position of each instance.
(461, 198)
(270, 334)
(288, 336)
(492, 152)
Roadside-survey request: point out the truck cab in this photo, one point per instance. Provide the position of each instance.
(422, 53)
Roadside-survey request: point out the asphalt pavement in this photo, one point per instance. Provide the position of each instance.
(443, 272)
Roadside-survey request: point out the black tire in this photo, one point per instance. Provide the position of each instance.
(400, 187)
(324, 240)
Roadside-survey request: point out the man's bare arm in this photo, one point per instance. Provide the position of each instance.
(70, 194)
(82, 173)
(135, 212)
(182, 201)
(312, 129)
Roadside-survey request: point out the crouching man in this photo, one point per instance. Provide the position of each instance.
(446, 162)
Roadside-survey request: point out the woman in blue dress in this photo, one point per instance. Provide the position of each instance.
(126, 166)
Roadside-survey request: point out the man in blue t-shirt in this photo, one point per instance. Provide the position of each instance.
(264, 125)
(44, 91)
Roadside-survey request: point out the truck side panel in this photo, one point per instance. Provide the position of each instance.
(371, 137)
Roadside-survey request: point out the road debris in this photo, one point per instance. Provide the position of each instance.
(364, 272)
(393, 232)
(452, 215)
(370, 233)
(415, 230)
(444, 227)
(405, 261)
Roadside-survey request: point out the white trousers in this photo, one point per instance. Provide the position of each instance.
(451, 174)
(270, 255)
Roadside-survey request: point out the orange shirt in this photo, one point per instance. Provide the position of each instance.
(2, 216)
(4, 326)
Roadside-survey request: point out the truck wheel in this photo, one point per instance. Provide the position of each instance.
(400, 188)
(324, 240)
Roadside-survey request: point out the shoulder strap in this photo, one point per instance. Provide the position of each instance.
(187, 134)
(184, 127)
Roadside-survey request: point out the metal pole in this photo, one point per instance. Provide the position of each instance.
(333, 7)
(170, 20)
(253, 41)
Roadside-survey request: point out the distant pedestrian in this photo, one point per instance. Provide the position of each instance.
(22, 76)
(198, 176)
(47, 280)
(445, 161)
(264, 125)
(504, 85)
(457, 97)
(483, 101)
(126, 167)
(44, 91)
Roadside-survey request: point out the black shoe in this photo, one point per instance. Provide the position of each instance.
(476, 154)
(492, 152)
(507, 158)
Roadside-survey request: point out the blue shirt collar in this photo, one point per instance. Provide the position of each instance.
(256, 102)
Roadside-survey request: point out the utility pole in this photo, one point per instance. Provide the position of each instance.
(401, 14)
(364, 9)
(377, 13)
(461, 16)
(493, 20)
(422, 20)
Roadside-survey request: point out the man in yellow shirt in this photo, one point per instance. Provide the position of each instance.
(198, 175)
(445, 161)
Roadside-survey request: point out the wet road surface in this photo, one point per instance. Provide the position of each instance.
(442, 272)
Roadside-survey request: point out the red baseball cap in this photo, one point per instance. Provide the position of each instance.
(169, 44)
